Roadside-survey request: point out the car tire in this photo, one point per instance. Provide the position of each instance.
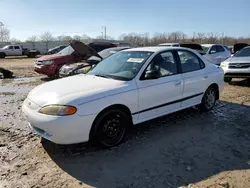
(208, 100)
(110, 128)
(226, 79)
(2, 55)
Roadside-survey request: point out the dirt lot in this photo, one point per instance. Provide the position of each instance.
(188, 148)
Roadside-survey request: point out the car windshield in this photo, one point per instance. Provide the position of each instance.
(66, 51)
(245, 52)
(205, 48)
(122, 65)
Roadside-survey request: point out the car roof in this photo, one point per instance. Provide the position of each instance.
(117, 48)
(155, 48)
(168, 44)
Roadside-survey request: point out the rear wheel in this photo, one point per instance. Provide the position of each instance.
(208, 100)
(111, 127)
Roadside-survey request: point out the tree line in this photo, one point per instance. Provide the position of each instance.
(136, 39)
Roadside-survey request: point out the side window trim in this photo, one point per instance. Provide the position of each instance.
(199, 59)
(175, 59)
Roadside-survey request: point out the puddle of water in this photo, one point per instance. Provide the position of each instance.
(19, 80)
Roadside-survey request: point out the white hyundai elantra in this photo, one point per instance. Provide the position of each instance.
(125, 89)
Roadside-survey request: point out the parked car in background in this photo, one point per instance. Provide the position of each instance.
(215, 53)
(50, 64)
(237, 66)
(238, 46)
(170, 44)
(99, 46)
(56, 49)
(193, 46)
(17, 50)
(128, 87)
(77, 68)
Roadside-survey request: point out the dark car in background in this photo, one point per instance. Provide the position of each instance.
(99, 46)
(83, 67)
(238, 46)
(56, 49)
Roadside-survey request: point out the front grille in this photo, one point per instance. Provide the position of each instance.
(239, 65)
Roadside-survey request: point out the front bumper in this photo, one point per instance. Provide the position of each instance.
(44, 69)
(236, 73)
(58, 129)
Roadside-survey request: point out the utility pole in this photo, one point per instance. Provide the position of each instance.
(105, 36)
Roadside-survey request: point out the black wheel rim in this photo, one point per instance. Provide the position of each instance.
(113, 130)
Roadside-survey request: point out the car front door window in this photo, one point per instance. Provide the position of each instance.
(163, 65)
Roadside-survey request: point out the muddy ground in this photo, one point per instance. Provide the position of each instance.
(184, 149)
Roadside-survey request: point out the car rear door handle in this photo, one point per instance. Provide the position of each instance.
(206, 77)
(177, 83)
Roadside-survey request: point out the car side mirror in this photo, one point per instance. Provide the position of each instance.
(213, 52)
(151, 74)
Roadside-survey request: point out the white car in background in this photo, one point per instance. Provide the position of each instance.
(127, 88)
(237, 66)
(216, 53)
(170, 44)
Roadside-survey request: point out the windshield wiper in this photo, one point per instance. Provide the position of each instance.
(104, 76)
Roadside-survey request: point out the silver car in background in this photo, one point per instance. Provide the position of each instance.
(238, 65)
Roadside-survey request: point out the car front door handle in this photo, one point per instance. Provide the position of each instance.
(177, 83)
(206, 77)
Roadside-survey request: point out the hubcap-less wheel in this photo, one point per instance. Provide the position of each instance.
(210, 98)
(113, 130)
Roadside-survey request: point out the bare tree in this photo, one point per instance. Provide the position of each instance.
(32, 40)
(14, 40)
(77, 37)
(200, 36)
(85, 38)
(47, 37)
(4, 34)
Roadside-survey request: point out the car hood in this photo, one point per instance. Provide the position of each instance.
(83, 50)
(76, 90)
(238, 60)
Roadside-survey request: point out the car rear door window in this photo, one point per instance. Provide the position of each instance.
(190, 62)
(16, 47)
(213, 49)
(219, 48)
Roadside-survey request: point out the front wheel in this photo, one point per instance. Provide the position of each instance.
(208, 100)
(111, 127)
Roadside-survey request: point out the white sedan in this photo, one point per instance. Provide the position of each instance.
(125, 89)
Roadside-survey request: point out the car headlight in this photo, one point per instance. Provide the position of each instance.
(58, 110)
(47, 62)
(224, 64)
